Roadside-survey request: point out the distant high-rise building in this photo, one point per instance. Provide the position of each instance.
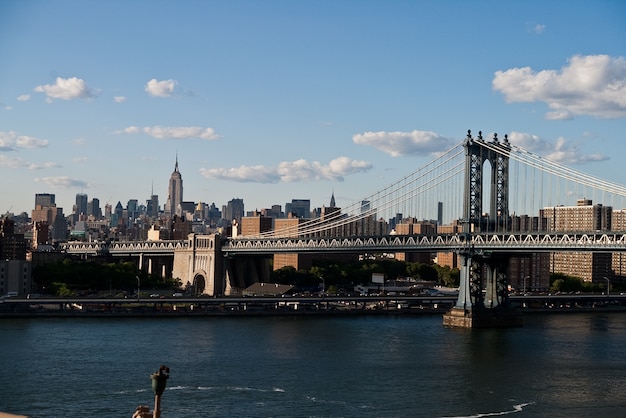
(234, 210)
(93, 208)
(44, 212)
(175, 193)
(132, 207)
(81, 207)
(59, 226)
(44, 199)
(299, 207)
(439, 213)
(108, 210)
(152, 206)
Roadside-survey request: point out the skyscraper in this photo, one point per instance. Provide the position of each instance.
(175, 193)
(299, 207)
(153, 206)
(234, 210)
(80, 209)
(44, 199)
(93, 208)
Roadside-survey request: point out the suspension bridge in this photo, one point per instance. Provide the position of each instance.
(489, 202)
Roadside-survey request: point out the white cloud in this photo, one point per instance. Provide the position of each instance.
(589, 85)
(61, 182)
(399, 144)
(290, 171)
(537, 28)
(163, 88)
(23, 98)
(119, 99)
(562, 151)
(176, 132)
(10, 141)
(33, 166)
(23, 141)
(67, 89)
(6, 162)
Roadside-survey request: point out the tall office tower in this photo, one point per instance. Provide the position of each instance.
(439, 213)
(332, 200)
(117, 216)
(234, 210)
(175, 193)
(44, 199)
(108, 210)
(132, 207)
(81, 206)
(45, 210)
(93, 208)
(152, 206)
(59, 230)
(299, 207)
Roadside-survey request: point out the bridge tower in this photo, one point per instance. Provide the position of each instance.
(483, 292)
(477, 153)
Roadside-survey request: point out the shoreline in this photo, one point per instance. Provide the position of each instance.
(294, 313)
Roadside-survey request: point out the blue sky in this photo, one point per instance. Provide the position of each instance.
(277, 100)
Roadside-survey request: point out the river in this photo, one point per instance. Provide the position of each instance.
(559, 365)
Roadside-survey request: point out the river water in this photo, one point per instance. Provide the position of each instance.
(560, 365)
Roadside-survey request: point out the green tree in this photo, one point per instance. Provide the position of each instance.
(560, 282)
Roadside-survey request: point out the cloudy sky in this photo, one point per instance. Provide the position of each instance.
(270, 101)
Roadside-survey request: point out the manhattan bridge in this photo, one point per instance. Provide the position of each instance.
(489, 199)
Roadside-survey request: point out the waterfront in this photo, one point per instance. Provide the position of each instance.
(282, 366)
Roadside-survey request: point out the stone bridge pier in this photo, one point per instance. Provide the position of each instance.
(202, 266)
(483, 300)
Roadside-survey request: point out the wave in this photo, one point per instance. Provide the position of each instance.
(516, 408)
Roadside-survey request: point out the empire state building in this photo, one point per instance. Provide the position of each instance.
(173, 206)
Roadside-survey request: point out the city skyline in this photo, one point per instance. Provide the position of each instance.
(277, 100)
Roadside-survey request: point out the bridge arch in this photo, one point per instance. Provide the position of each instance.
(199, 282)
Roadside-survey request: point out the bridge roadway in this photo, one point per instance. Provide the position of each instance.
(484, 242)
(286, 305)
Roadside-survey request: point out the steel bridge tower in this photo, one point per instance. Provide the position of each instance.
(477, 153)
(483, 292)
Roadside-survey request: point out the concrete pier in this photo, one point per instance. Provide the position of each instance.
(482, 318)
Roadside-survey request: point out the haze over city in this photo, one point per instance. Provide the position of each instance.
(272, 101)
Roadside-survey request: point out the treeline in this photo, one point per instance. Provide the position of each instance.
(68, 277)
(560, 282)
(345, 275)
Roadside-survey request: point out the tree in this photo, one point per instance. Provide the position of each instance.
(560, 282)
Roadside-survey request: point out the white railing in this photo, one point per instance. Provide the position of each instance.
(494, 242)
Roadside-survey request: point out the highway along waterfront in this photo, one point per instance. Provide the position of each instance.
(289, 305)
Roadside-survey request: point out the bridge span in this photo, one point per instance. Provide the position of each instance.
(481, 242)
(493, 200)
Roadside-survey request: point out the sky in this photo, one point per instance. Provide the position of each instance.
(270, 101)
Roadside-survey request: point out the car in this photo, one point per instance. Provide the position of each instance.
(177, 295)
